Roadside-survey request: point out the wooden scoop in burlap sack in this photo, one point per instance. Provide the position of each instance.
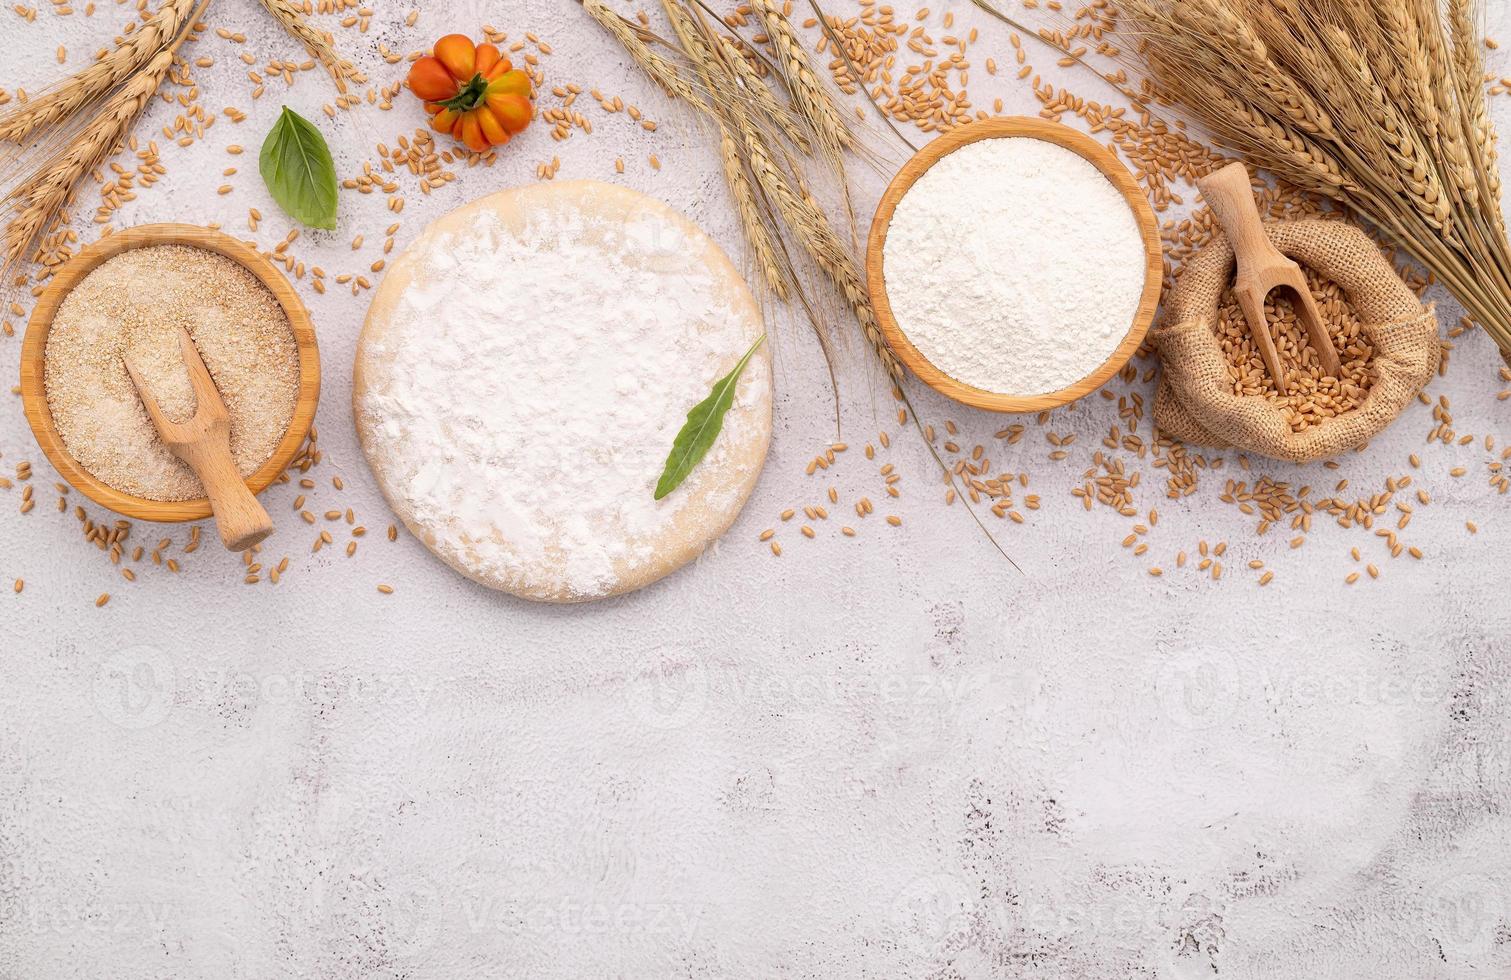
(1195, 401)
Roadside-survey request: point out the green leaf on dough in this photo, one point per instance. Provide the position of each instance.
(702, 427)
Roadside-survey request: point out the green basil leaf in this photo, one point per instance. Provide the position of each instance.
(702, 427)
(297, 167)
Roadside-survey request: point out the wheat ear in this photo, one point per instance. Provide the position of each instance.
(1425, 26)
(1468, 77)
(41, 196)
(1277, 148)
(763, 100)
(755, 228)
(1407, 46)
(1251, 56)
(319, 43)
(89, 85)
(1414, 171)
(661, 70)
(811, 230)
(811, 98)
(697, 44)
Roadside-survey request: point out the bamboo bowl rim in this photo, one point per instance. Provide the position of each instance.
(1089, 150)
(33, 374)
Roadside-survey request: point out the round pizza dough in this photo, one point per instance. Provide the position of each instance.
(525, 367)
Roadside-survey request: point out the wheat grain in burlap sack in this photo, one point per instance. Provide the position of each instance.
(1195, 402)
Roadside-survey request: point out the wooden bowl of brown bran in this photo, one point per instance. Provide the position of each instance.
(33, 366)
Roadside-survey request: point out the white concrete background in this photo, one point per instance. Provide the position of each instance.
(886, 756)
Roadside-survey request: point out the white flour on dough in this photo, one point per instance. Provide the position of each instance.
(523, 375)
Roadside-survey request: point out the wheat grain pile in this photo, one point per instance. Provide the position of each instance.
(1310, 396)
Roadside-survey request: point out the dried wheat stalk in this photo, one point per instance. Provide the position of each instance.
(763, 100)
(60, 102)
(744, 124)
(37, 200)
(811, 230)
(1378, 104)
(710, 87)
(661, 70)
(1468, 77)
(34, 203)
(319, 43)
(699, 45)
(811, 97)
(751, 220)
(1415, 174)
(745, 134)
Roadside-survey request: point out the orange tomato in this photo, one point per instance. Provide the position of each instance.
(487, 57)
(512, 111)
(430, 80)
(510, 83)
(472, 92)
(458, 54)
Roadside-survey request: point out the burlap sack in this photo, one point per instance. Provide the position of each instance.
(1195, 401)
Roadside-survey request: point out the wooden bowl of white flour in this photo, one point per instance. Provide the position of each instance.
(1015, 265)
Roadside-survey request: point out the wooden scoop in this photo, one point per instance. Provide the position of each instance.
(204, 442)
(1263, 268)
